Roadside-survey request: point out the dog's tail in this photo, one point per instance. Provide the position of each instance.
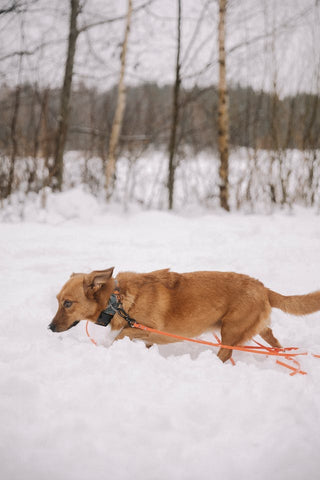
(295, 304)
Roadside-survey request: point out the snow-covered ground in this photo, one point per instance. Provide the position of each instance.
(70, 410)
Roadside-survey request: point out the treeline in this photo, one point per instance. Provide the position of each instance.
(260, 120)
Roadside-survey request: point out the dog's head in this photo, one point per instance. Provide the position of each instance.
(83, 297)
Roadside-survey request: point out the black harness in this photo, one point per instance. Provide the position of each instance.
(114, 306)
(107, 315)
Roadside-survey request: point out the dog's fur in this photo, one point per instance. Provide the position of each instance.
(187, 304)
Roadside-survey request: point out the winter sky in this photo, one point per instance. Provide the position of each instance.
(268, 42)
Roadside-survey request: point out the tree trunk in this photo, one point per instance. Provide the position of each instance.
(307, 134)
(120, 107)
(63, 124)
(223, 113)
(45, 140)
(13, 138)
(175, 114)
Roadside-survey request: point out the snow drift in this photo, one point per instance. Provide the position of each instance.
(70, 410)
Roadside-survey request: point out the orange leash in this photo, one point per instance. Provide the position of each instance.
(245, 348)
(87, 331)
(296, 369)
(258, 349)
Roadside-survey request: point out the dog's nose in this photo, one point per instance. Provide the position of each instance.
(52, 327)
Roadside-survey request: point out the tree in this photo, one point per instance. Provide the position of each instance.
(62, 130)
(223, 111)
(175, 113)
(120, 107)
(13, 138)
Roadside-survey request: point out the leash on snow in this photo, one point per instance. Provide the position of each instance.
(288, 354)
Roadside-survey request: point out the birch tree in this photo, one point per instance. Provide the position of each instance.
(119, 112)
(223, 113)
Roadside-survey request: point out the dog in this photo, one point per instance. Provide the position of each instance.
(185, 304)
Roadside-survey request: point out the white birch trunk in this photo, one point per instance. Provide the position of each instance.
(223, 113)
(120, 107)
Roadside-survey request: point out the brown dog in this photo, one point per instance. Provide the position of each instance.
(186, 304)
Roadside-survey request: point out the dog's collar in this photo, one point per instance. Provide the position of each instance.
(113, 306)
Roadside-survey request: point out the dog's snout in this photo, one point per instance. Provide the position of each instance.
(52, 327)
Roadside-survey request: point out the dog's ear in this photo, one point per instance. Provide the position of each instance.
(95, 280)
(75, 274)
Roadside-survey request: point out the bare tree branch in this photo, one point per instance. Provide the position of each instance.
(115, 19)
(17, 6)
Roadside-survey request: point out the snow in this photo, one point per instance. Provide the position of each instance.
(70, 410)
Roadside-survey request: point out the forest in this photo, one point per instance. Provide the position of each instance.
(41, 121)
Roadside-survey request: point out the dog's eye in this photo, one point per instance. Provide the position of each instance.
(67, 303)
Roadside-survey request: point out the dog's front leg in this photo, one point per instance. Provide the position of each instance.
(135, 334)
(111, 335)
(114, 329)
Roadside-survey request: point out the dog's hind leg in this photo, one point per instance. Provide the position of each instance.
(227, 338)
(268, 336)
(235, 332)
